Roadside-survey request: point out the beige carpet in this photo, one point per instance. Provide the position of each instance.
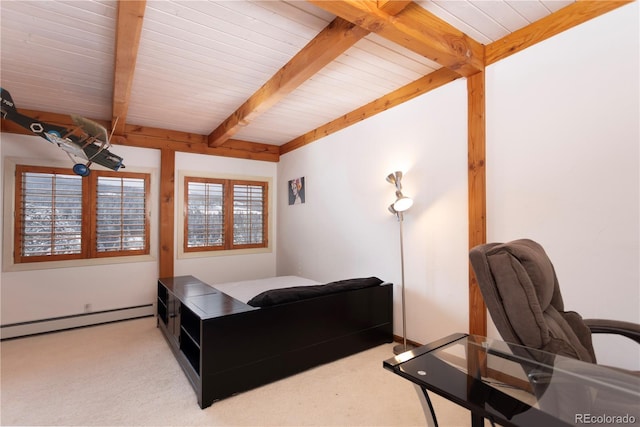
(124, 374)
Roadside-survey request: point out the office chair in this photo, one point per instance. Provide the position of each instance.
(521, 291)
(520, 288)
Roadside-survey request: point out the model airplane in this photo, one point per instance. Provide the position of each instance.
(86, 143)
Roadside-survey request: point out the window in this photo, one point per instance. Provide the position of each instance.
(61, 216)
(121, 215)
(224, 214)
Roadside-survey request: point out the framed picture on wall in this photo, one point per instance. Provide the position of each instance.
(296, 191)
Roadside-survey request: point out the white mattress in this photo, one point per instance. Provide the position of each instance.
(247, 289)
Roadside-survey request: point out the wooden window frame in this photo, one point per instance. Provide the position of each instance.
(147, 217)
(228, 213)
(89, 233)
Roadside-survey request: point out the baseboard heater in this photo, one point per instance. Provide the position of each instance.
(15, 330)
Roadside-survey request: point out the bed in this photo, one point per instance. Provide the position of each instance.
(232, 337)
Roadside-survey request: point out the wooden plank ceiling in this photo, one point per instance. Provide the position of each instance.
(254, 79)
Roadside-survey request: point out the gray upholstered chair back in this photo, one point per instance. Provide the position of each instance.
(520, 288)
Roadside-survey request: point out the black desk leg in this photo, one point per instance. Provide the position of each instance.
(477, 420)
(427, 407)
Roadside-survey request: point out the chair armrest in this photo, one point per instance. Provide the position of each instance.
(618, 327)
(609, 380)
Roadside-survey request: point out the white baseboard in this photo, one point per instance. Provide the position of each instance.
(16, 330)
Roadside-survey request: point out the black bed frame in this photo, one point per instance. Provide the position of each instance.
(225, 346)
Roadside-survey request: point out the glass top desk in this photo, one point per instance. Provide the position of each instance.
(513, 385)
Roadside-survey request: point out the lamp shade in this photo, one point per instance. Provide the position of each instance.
(395, 178)
(402, 204)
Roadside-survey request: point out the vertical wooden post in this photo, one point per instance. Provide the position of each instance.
(477, 193)
(166, 212)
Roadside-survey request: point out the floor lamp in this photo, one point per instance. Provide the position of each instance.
(398, 208)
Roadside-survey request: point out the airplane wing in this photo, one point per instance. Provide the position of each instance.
(97, 151)
(92, 128)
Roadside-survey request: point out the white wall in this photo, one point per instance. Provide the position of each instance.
(345, 230)
(563, 162)
(562, 168)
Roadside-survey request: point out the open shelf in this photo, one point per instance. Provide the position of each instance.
(190, 325)
(162, 312)
(163, 299)
(190, 350)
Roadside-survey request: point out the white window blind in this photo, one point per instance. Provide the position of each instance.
(120, 214)
(248, 214)
(205, 214)
(52, 219)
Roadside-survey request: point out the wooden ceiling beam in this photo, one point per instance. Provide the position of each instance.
(393, 7)
(568, 17)
(128, 30)
(149, 137)
(155, 138)
(423, 85)
(330, 43)
(415, 29)
(233, 148)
